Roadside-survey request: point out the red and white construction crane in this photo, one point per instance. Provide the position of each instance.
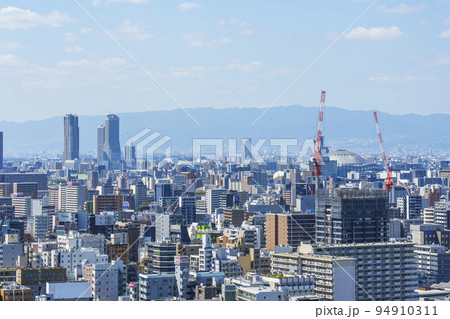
(318, 140)
(388, 182)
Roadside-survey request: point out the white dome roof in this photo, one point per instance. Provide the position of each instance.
(279, 174)
(346, 158)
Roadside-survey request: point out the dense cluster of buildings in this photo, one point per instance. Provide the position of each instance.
(111, 228)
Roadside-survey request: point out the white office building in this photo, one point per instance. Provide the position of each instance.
(73, 260)
(75, 240)
(213, 199)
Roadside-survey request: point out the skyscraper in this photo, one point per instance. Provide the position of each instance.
(111, 143)
(100, 143)
(71, 138)
(352, 216)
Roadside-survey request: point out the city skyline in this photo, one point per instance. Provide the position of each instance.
(199, 150)
(399, 131)
(394, 59)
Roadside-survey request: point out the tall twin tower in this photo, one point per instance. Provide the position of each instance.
(108, 144)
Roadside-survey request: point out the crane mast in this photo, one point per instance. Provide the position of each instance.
(388, 182)
(318, 141)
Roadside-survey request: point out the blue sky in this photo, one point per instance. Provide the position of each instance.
(55, 60)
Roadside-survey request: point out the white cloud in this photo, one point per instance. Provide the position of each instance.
(402, 9)
(248, 67)
(10, 60)
(128, 1)
(437, 60)
(105, 64)
(284, 70)
(441, 60)
(43, 84)
(13, 18)
(236, 22)
(188, 6)
(70, 37)
(99, 2)
(194, 71)
(380, 78)
(7, 46)
(85, 30)
(197, 40)
(379, 33)
(401, 79)
(75, 72)
(445, 34)
(75, 49)
(136, 31)
(43, 71)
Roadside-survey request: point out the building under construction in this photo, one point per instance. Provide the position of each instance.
(347, 215)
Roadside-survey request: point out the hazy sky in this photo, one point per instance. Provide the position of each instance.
(54, 59)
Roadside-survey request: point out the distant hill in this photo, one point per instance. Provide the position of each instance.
(352, 130)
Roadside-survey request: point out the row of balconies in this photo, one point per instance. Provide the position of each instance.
(323, 289)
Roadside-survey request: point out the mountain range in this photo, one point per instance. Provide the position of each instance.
(343, 129)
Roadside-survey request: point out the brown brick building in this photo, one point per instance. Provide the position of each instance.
(235, 216)
(289, 229)
(107, 203)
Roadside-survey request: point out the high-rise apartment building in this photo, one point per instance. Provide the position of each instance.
(76, 196)
(161, 257)
(187, 209)
(352, 216)
(92, 179)
(71, 138)
(414, 206)
(289, 229)
(140, 193)
(108, 203)
(236, 216)
(106, 280)
(71, 197)
(163, 190)
(439, 214)
(384, 271)
(41, 226)
(5, 189)
(433, 263)
(213, 199)
(335, 276)
(22, 206)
